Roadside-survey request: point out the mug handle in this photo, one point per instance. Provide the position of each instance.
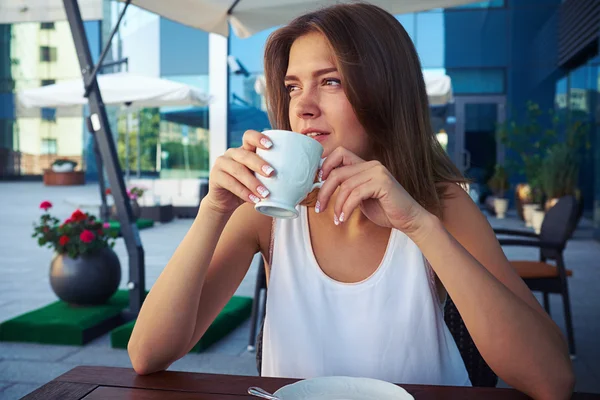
(317, 185)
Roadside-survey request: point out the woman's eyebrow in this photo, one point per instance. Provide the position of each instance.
(315, 74)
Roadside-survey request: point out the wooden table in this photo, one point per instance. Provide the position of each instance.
(108, 383)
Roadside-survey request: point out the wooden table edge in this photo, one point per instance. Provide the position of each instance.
(195, 382)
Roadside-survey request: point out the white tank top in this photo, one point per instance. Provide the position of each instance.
(389, 326)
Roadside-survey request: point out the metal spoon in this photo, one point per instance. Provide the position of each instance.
(256, 391)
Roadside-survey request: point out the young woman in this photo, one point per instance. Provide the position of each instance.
(357, 282)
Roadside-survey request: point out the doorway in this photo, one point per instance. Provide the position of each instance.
(478, 148)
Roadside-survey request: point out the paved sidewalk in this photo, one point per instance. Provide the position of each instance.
(24, 286)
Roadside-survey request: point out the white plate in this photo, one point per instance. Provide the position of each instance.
(342, 388)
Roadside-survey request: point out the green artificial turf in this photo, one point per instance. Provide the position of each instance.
(60, 323)
(233, 314)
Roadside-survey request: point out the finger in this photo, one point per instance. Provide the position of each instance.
(360, 193)
(337, 177)
(232, 185)
(251, 160)
(346, 189)
(243, 175)
(338, 158)
(254, 139)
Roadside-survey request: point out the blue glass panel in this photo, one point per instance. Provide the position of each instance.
(482, 4)
(477, 80)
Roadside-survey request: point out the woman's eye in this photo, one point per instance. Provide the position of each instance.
(291, 88)
(332, 82)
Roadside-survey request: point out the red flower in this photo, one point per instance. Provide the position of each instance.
(108, 191)
(45, 205)
(87, 236)
(100, 232)
(63, 240)
(78, 216)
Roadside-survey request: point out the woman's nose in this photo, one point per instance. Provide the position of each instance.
(307, 106)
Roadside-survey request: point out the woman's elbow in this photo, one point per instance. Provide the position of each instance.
(141, 363)
(566, 384)
(558, 387)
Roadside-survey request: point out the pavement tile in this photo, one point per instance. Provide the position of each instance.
(33, 372)
(34, 351)
(17, 391)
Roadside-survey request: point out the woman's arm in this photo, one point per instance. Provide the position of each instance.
(197, 282)
(511, 330)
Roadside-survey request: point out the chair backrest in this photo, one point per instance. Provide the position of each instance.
(480, 373)
(559, 223)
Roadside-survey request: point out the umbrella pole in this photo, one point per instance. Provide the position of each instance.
(104, 215)
(127, 127)
(139, 145)
(108, 153)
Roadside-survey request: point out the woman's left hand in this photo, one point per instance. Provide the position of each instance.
(371, 187)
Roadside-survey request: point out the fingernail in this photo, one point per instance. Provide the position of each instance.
(254, 198)
(320, 177)
(342, 216)
(336, 220)
(267, 169)
(318, 207)
(263, 191)
(266, 143)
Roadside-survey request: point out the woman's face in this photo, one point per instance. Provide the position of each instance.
(319, 107)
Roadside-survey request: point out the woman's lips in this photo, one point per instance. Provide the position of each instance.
(320, 138)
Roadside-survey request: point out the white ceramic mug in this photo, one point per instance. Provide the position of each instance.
(296, 159)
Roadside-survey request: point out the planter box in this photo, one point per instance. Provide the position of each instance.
(72, 178)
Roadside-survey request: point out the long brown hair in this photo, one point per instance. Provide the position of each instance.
(382, 78)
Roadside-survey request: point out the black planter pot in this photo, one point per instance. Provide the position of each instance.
(87, 280)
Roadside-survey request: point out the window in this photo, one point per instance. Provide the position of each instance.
(48, 146)
(48, 54)
(49, 114)
(579, 93)
(46, 82)
(47, 25)
(560, 98)
(477, 80)
(482, 4)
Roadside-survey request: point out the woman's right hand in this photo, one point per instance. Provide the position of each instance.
(232, 181)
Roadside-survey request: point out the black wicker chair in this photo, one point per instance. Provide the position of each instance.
(558, 226)
(480, 373)
(258, 304)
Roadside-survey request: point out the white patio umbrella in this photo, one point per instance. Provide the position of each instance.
(131, 92)
(245, 16)
(250, 16)
(122, 88)
(439, 88)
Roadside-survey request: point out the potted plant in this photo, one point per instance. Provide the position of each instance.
(498, 184)
(528, 139)
(63, 165)
(559, 173)
(133, 193)
(85, 270)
